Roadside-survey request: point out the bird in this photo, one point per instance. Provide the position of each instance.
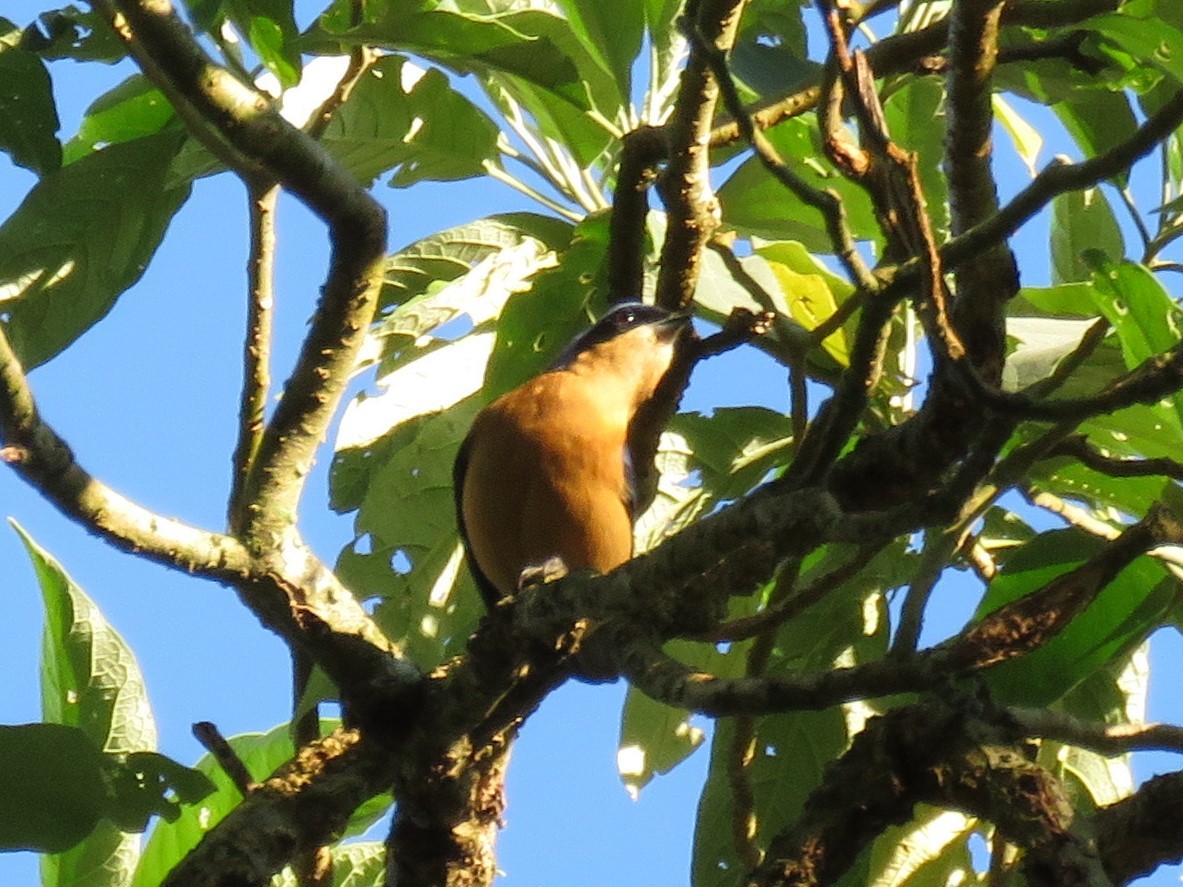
(547, 470)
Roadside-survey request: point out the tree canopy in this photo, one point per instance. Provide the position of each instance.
(838, 185)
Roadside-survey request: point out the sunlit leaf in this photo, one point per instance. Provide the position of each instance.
(1119, 619)
(90, 680)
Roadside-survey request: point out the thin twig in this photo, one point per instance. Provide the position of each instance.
(256, 359)
(1077, 447)
(215, 743)
(1106, 739)
(692, 209)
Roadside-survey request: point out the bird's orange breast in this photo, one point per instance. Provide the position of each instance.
(545, 477)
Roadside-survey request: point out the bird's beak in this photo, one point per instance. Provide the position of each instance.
(674, 326)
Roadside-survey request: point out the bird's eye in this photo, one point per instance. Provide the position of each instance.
(627, 318)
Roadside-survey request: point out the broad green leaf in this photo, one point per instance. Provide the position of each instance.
(679, 498)
(1040, 344)
(1149, 39)
(770, 55)
(1098, 119)
(73, 33)
(532, 43)
(83, 235)
(612, 31)
(403, 118)
(537, 324)
(754, 202)
(792, 750)
(1116, 694)
(52, 787)
(667, 52)
(811, 291)
(1065, 300)
(133, 109)
(454, 252)
(268, 25)
(56, 786)
(791, 753)
(406, 552)
(1118, 619)
(654, 738)
(1082, 221)
(90, 680)
(28, 116)
(1111, 496)
(1146, 318)
(735, 448)
(262, 753)
(571, 131)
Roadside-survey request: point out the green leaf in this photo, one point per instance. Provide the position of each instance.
(932, 850)
(1116, 694)
(83, 235)
(52, 787)
(811, 291)
(133, 109)
(790, 756)
(400, 117)
(735, 448)
(754, 202)
(1082, 221)
(1146, 319)
(262, 754)
(1065, 300)
(611, 30)
(28, 116)
(536, 325)
(532, 44)
(453, 252)
(1149, 39)
(1119, 619)
(916, 119)
(1027, 140)
(1041, 343)
(90, 680)
(654, 738)
(406, 552)
(69, 32)
(1097, 120)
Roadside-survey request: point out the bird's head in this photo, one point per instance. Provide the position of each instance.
(634, 343)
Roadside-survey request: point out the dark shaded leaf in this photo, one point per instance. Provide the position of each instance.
(28, 116)
(82, 236)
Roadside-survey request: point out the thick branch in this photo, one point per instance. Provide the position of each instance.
(691, 206)
(945, 757)
(1139, 833)
(1009, 632)
(305, 804)
(248, 122)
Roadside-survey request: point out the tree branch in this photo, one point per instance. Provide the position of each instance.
(939, 755)
(253, 127)
(47, 463)
(691, 207)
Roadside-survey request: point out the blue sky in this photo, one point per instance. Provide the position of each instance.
(147, 399)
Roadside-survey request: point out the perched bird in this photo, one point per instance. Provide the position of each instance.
(547, 470)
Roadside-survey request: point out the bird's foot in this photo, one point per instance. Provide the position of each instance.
(550, 570)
